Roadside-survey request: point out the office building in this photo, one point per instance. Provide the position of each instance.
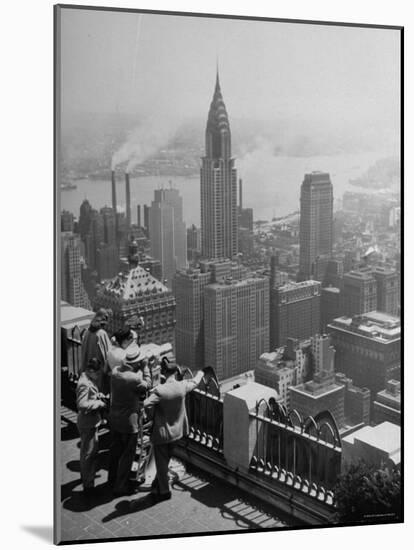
(189, 288)
(95, 238)
(138, 215)
(167, 232)
(136, 293)
(236, 324)
(322, 393)
(287, 366)
(387, 290)
(387, 404)
(331, 305)
(193, 243)
(85, 219)
(66, 221)
(109, 223)
(377, 445)
(316, 226)
(107, 261)
(72, 288)
(359, 292)
(368, 349)
(218, 185)
(357, 401)
(294, 311)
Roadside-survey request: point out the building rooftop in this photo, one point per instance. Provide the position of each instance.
(317, 177)
(375, 325)
(331, 290)
(359, 275)
(229, 281)
(71, 316)
(200, 503)
(385, 436)
(314, 390)
(137, 282)
(293, 286)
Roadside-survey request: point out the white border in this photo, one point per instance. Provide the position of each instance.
(26, 252)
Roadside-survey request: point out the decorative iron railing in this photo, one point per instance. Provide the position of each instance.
(205, 411)
(302, 453)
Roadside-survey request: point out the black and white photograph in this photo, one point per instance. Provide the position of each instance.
(228, 263)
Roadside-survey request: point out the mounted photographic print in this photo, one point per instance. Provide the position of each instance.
(228, 274)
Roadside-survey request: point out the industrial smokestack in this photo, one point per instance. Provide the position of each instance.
(240, 193)
(114, 202)
(128, 200)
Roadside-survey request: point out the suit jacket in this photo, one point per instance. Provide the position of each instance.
(170, 416)
(87, 403)
(127, 388)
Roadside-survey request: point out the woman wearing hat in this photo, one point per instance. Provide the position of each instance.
(129, 383)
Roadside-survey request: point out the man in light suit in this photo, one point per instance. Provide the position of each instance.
(90, 404)
(170, 422)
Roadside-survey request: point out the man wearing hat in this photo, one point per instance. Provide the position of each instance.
(122, 339)
(170, 422)
(89, 404)
(129, 383)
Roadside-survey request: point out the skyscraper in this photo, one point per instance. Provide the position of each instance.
(66, 221)
(316, 226)
(167, 232)
(72, 289)
(360, 292)
(193, 243)
(294, 311)
(85, 219)
(236, 320)
(218, 185)
(189, 290)
(109, 225)
(368, 348)
(387, 290)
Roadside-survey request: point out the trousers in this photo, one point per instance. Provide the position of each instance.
(162, 455)
(121, 456)
(89, 447)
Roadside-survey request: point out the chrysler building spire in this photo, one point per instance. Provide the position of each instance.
(218, 184)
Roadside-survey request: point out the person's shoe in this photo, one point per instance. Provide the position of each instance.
(159, 497)
(89, 492)
(127, 491)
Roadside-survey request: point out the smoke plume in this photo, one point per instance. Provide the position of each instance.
(144, 141)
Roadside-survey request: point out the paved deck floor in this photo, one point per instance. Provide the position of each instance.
(200, 503)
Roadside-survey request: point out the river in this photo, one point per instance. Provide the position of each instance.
(271, 185)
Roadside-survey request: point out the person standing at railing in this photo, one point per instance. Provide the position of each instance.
(90, 405)
(96, 343)
(129, 384)
(170, 422)
(122, 339)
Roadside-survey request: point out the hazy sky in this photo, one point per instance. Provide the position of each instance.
(164, 64)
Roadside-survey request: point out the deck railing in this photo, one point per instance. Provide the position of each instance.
(205, 411)
(302, 453)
